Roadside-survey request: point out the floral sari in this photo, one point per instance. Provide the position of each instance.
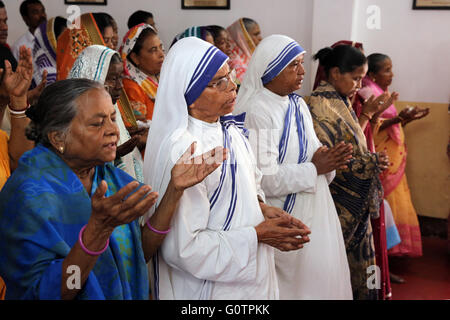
(140, 88)
(395, 184)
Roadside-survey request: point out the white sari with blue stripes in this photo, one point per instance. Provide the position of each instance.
(212, 250)
(283, 138)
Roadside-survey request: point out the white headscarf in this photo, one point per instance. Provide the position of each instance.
(188, 68)
(272, 55)
(93, 63)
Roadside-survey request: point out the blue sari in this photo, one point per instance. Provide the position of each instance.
(43, 206)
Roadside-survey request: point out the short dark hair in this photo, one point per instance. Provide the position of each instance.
(2, 5)
(56, 108)
(346, 58)
(374, 61)
(24, 6)
(215, 30)
(138, 17)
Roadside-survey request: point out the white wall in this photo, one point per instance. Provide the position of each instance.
(295, 20)
(418, 42)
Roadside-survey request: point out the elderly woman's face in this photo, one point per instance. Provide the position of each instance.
(384, 76)
(113, 81)
(348, 83)
(290, 79)
(223, 42)
(151, 56)
(214, 102)
(93, 134)
(255, 33)
(108, 37)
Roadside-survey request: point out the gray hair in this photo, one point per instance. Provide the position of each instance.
(56, 108)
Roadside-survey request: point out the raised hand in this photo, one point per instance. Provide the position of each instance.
(327, 160)
(410, 114)
(34, 94)
(382, 107)
(121, 208)
(17, 83)
(373, 105)
(189, 170)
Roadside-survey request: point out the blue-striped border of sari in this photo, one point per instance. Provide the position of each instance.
(277, 65)
(207, 68)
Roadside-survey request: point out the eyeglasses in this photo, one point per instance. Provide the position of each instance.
(222, 83)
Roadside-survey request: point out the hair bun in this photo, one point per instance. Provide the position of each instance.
(323, 54)
(33, 114)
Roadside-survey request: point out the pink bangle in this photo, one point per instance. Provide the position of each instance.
(157, 231)
(89, 252)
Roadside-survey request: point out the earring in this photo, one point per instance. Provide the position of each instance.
(61, 149)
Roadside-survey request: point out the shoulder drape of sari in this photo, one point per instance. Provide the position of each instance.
(392, 141)
(72, 41)
(242, 47)
(139, 104)
(44, 52)
(43, 206)
(356, 191)
(379, 225)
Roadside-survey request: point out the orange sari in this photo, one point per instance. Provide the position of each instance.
(72, 42)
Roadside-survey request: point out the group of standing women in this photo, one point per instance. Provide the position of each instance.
(328, 160)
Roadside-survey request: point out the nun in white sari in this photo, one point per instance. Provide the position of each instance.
(283, 138)
(94, 63)
(214, 249)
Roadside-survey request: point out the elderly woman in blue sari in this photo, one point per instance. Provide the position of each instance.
(104, 65)
(69, 219)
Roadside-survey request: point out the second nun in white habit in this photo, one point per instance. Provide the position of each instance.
(296, 170)
(217, 247)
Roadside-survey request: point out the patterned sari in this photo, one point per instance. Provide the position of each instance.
(140, 88)
(356, 191)
(72, 42)
(395, 184)
(44, 53)
(242, 47)
(43, 206)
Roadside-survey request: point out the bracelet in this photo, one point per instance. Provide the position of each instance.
(18, 112)
(89, 252)
(18, 116)
(365, 115)
(156, 231)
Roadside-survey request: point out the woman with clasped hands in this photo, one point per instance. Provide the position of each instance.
(69, 218)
